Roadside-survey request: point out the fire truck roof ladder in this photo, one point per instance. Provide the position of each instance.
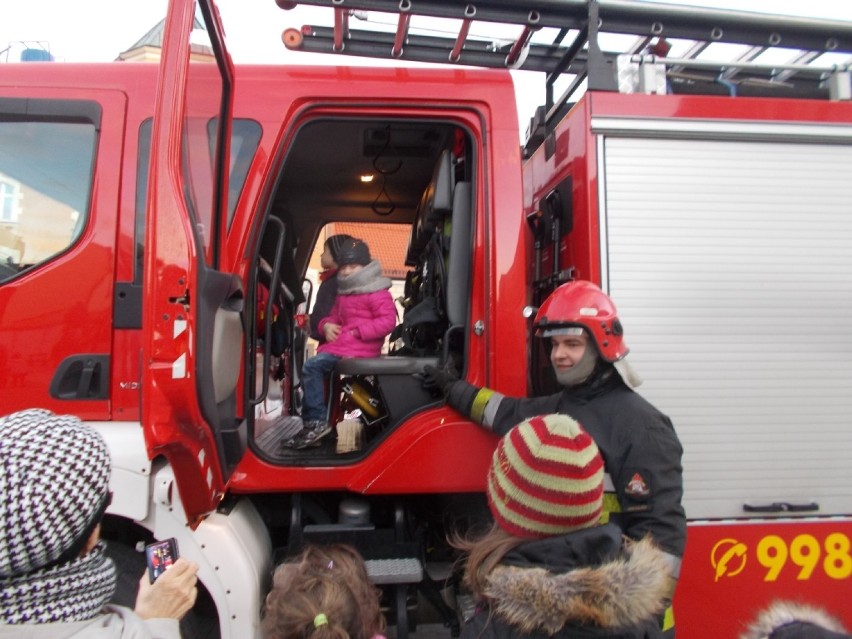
(565, 38)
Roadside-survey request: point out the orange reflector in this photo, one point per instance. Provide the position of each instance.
(292, 38)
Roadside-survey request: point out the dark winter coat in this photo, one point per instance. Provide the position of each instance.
(326, 294)
(585, 585)
(641, 451)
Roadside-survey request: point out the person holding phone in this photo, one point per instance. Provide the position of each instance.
(55, 579)
(160, 556)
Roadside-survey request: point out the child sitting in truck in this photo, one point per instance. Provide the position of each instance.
(362, 316)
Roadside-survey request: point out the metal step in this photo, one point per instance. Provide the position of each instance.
(395, 571)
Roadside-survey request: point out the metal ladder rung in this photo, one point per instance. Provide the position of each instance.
(341, 28)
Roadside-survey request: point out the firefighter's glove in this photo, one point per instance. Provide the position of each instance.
(438, 380)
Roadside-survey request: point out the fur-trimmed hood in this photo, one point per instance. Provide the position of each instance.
(801, 620)
(620, 592)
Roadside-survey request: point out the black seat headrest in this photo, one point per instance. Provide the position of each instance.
(435, 204)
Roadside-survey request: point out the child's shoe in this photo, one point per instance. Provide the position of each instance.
(314, 431)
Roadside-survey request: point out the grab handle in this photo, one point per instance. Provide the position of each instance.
(781, 507)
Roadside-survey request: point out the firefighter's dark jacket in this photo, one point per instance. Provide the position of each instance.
(640, 448)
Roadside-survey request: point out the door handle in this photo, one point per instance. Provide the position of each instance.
(781, 507)
(83, 376)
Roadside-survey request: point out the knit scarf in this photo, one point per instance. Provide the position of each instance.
(72, 591)
(366, 280)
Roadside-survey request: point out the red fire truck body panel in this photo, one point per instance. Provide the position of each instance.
(49, 328)
(418, 463)
(747, 565)
(296, 88)
(575, 153)
(401, 464)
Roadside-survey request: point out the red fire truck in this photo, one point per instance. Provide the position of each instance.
(146, 210)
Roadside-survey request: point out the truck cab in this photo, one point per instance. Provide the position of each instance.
(172, 289)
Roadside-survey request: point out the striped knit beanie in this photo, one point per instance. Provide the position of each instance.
(546, 478)
(54, 477)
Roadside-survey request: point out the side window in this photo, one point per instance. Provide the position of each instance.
(47, 155)
(245, 136)
(201, 135)
(142, 164)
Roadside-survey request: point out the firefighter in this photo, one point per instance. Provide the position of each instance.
(641, 451)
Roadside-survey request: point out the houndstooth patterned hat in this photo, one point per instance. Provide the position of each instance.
(54, 477)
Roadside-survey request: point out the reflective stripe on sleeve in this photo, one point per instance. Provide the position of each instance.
(610, 500)
(477, 410)
(491, 406)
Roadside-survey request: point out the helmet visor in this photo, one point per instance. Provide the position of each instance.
(551, 331)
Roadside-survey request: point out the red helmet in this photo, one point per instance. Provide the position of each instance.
(582, 304)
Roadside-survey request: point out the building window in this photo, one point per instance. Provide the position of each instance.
(9, 195)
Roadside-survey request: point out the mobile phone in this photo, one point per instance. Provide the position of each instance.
(160, 555)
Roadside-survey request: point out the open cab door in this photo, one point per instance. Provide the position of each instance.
(193, 346)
